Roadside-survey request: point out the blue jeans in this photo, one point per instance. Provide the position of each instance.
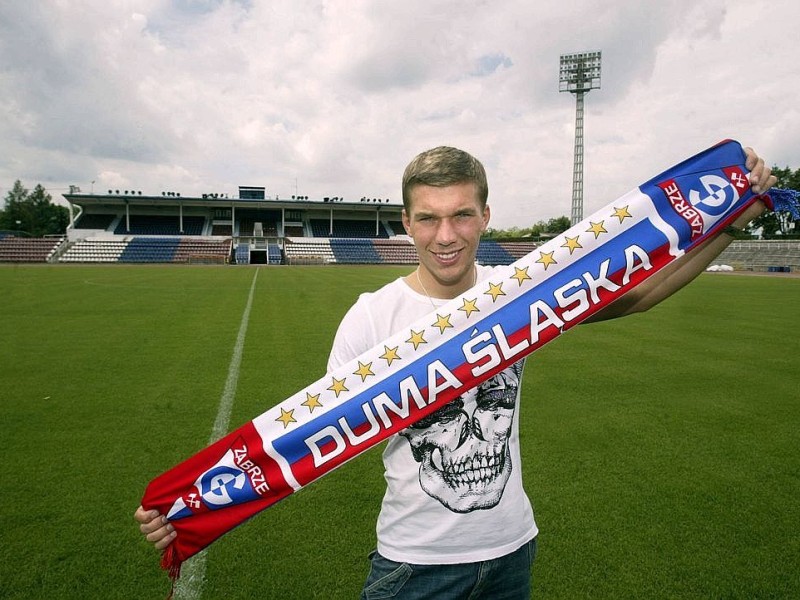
(504, 578)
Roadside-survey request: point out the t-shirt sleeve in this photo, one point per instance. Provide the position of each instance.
(354, 336)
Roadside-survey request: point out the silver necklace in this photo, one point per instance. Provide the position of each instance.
(422, 285)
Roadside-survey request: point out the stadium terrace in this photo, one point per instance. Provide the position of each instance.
(128, 227)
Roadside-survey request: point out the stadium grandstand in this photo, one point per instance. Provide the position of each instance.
(129, 227)
(252, 228)
(772, 256)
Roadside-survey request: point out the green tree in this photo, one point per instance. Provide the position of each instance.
(14, 214)
(33, 212)
(557, 225)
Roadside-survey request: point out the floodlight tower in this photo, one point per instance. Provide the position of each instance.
(578, 74)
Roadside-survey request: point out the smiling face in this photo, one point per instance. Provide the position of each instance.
(446, 225)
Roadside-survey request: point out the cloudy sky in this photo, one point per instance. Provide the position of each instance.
(334, 97)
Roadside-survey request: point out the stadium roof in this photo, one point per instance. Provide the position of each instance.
(131, 198)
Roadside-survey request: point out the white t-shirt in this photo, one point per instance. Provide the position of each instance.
(454, 485)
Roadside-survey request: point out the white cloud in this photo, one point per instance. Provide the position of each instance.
(336, 97)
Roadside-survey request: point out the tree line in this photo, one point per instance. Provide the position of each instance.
(538, 231)
(32, 213)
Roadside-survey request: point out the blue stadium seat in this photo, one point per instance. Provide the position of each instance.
(347, 228)
(243, 254)
(355, 251)
(146, 250)
(160, 225)
(491, 253)
(275, 256)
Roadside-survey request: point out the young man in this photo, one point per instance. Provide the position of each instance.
(455, 521)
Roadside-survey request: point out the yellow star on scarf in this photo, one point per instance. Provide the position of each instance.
(469, 306)
(495, 290)
(621, 213)
(416, 338)
(389, 355)
(597, 229)
(520, 274)
(572, 244)
(365, 370)
(312, 402)
(287, 416)
(337, 387)
(442, 322)
(546, 258)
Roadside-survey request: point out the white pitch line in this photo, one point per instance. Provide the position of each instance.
(193, 572)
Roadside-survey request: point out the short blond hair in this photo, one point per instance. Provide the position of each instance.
(443, 166)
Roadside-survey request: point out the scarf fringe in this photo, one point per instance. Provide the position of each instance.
(785, 200)
(172, 564)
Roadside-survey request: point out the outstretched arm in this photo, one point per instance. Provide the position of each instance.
(683, 270)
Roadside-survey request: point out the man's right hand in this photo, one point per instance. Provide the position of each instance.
(155, 527)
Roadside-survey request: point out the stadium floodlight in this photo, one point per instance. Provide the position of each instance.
(578, 74)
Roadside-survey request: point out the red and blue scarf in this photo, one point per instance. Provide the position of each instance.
(440, 357)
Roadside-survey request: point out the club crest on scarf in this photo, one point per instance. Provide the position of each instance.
(234, 479)
(702, 200)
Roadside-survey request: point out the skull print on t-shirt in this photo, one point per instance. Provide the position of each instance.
(463, 447)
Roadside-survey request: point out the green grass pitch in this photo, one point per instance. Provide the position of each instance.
(661, 451)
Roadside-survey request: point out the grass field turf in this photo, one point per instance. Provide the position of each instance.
(661, 451)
